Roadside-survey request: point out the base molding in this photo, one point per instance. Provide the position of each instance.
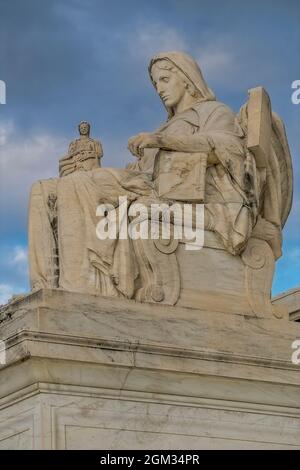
(89, 372)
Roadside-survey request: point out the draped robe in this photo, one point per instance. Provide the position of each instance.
(110, 267)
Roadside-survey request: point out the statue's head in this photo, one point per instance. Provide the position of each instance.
(171, 84)
(176, 76)
(84, 128)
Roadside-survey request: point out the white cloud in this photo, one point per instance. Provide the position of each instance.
(5, 131)
(25, 160)
(19, 256)
(218, 57)
(148, 40)
(293, 254)
(14, 271)
(216, 61)
(227, 60)
(6, 291)
(222, 60)
(36, 153)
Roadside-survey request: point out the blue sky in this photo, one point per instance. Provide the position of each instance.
(72, 60)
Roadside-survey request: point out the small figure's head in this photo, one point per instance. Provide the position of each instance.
(84, 128)
(171, 84)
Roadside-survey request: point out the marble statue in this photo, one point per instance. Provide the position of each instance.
(237, 166)
(84, 153)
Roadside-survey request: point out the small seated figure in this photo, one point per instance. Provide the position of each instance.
(84, 154)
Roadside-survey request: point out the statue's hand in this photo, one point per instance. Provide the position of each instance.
(138, 143)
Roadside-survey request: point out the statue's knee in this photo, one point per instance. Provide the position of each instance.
(43, 187)
(35, 189)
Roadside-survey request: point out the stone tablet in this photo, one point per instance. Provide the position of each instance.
(259, 125)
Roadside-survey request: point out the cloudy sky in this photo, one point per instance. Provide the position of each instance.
(64, 61)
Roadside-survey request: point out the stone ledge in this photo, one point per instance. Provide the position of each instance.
(74, 360)
(54, 325)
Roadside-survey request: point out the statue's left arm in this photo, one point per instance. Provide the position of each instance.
(219, 132)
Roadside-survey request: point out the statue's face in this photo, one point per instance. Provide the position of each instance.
(169, 85)
(84, 129)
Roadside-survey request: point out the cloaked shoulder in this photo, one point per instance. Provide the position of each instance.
(213, 115)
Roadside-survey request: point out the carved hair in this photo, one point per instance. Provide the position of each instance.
(165, 64)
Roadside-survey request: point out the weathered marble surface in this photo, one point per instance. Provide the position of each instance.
(90, 372)
(290, 300)
(238, 166)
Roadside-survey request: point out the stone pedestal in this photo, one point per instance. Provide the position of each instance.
(85, 372)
